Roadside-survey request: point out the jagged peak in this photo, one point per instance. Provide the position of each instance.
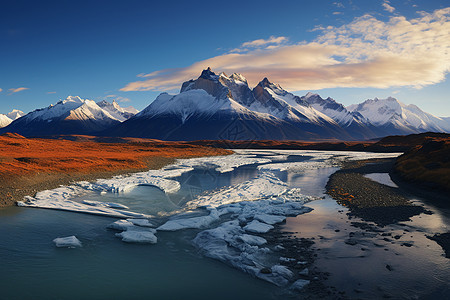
(238, 77)
(208, 74)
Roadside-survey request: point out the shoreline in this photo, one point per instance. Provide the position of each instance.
(28, 166)
(368, 199)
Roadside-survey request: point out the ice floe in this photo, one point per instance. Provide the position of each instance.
(105, 204)
(258, 227)
(265, 186)
(67, 242)
(135, 231)
(137, 236)
(223, 164)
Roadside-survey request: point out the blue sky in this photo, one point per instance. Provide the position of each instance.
(348, 50)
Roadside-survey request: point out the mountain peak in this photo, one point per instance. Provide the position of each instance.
(238, 77)
(265, 82)
(208, 74)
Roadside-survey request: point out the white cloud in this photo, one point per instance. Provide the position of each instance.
(366, 52)
(387, 7)
(337, 13)
(16, 90)
(263, 42)
(51, 92)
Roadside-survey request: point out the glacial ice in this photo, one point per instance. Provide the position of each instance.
(138, 236)
(258, 227)
(105, 204)
(190, 223)
(270, 219)
(67, 242)
(265, 186)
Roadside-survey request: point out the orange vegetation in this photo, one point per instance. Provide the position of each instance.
(22, 156)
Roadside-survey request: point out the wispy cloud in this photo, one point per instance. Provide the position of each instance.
(51, 92)
(270, 43)
(263, 42)
(366, 52)
(16, 90)
(337, 13)
(387, 7)
(1, 89)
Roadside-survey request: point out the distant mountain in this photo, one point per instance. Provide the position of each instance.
(221, 107)
(70, 116)
(7, 119)
(15, 114)
(394, 117)
(4, 120)
(118, 112)
(354, 123)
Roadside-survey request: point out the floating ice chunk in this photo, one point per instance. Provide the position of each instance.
(283, 271)
(138, 236)
(270, 219)
(299, 285)
(120, 225)
(252, 240)
(141, 222)
(105, 204)
(257, 227)
(67, 242)
(195, 222)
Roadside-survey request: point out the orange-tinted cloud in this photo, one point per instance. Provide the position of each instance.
(16, 90)
(364, 53)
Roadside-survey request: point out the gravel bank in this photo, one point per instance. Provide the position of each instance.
(368, 199)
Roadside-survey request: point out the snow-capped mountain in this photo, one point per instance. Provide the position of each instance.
(15, 114)
(221, 107)
(7, 119)
(4, 120)
(118, 112)
(353, 122)
(394, 117)
(70, 116)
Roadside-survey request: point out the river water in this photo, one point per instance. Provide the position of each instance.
(31, 267)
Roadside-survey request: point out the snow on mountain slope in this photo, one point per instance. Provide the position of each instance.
(221, 107)
(4, 120)
(205, 97)
(15, 114)
(390, 112)
(333, 109)
(118, 112)
(70, 116)
(274, 100)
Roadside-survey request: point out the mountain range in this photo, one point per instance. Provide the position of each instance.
(217, 106)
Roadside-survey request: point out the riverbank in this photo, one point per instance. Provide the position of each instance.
(31, 165)
(368, 199)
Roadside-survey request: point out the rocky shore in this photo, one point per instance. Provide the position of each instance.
(368, 199)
